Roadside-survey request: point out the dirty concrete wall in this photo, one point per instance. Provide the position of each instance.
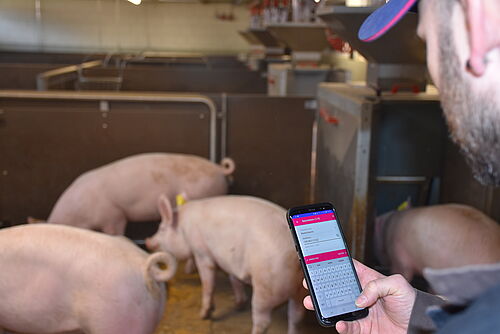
(117, 25)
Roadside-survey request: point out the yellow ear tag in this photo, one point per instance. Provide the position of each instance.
(403, 206)
(180, 200)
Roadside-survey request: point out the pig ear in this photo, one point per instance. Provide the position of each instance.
(405, 205)
(165, 209)
(408, 200)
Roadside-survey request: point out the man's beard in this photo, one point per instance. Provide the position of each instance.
(474, 119)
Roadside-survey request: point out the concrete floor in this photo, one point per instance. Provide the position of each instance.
(183, 306)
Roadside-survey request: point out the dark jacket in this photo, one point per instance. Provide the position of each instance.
(467, 301)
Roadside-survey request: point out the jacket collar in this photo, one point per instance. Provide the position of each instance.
(462, 285)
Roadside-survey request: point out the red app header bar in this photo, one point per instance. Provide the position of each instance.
(313, 219)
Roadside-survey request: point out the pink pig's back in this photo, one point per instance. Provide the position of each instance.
(132, 186)
(448, 235)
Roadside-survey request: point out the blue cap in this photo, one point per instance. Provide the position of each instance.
(381, 20)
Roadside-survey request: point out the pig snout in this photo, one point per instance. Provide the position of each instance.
(152, 244)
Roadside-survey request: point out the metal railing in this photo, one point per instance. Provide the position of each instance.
(58, 76)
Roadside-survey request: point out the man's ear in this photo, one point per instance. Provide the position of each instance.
(165, 209)
(483, 20)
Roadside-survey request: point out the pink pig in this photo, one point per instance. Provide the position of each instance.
(438, 236)
(61, 279)
(106, 198)
(246, 237)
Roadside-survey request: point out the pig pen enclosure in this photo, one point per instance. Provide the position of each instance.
(73, 132)
(83, 117)
(50, 138)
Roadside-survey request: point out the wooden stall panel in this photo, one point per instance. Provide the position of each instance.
(45, 145)
(22, 76)
(226, 62)
(161, 79)
(193, 80)
(270, 139)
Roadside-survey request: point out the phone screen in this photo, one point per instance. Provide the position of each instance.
(326, 258)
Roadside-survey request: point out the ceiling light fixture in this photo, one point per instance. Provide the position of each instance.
(135, 2)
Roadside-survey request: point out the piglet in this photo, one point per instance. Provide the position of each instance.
(246, 237)
(62, 279)
(106, 198)
(439, 236)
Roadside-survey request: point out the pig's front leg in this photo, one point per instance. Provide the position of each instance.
(261, 319)
(262, 307)
(206, 270)
(239, 292)
(296, 312)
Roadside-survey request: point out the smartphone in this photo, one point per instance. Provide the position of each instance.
(327, 265)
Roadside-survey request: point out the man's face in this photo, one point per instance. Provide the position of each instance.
(471, 104)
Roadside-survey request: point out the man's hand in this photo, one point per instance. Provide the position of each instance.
(389, 298)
